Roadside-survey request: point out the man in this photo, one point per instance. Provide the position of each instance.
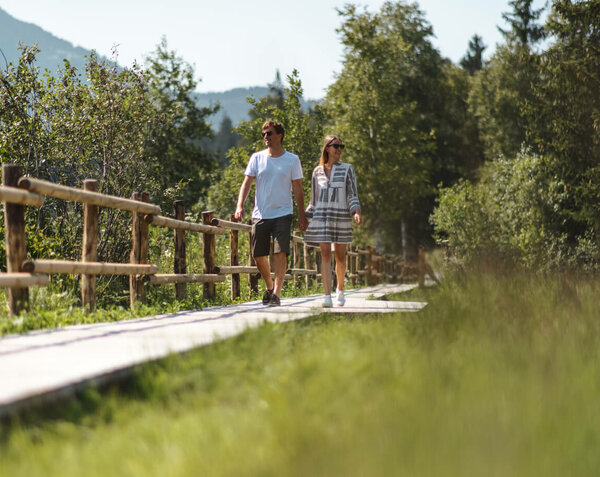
(278, 173)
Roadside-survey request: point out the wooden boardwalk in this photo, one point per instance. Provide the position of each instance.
(49, 363)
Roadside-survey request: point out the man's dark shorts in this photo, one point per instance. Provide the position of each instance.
(262, 230)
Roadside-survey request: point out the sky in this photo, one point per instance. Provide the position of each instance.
(242, 43)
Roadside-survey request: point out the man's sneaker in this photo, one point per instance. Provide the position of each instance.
(327, 303)
(340, 299)
(267, 297)
(274, 301)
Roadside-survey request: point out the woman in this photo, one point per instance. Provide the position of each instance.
(333, 203)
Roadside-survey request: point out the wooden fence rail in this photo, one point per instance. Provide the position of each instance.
(19, 191)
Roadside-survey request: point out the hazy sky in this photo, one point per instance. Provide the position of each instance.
(236, 43)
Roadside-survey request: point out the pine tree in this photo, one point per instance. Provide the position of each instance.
(473, 60)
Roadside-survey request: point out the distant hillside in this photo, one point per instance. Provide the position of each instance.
(53, 49)
(233, 103)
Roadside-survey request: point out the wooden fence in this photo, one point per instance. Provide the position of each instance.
(18, 191)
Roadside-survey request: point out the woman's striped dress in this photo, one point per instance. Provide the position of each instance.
(332, 204)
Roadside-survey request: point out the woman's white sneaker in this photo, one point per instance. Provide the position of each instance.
(340, 299)
(327, 303)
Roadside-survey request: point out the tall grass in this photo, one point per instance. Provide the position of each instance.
(499, 375)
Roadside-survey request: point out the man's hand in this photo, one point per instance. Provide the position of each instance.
(244, 190)
(357, 217)
(302, 222)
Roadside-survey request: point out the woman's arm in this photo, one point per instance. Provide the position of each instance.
(310, 210)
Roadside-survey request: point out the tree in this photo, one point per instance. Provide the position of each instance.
(130, 129)
(563, 118)
(473, 60)
(177, 141)
(522, 21)
(225, 139)
(502, 89)
(397, 104)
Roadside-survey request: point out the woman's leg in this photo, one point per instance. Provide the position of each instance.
(340, 264)
(326, 266)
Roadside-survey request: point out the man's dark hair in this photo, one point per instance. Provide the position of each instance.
(277, 126)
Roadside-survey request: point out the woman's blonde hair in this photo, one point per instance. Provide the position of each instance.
(324, 154)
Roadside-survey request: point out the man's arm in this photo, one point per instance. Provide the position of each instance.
(244, 191)
(299, 196)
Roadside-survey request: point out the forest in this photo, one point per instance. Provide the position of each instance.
(494, 160)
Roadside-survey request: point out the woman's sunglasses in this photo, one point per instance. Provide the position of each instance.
(337, 146)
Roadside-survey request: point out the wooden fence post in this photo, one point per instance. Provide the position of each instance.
(234, 260)
(421, 267)
(252, 277)
(139, 251)
(297, 259)
(180, 264)
(89, 252)
(370, 264)
(16, 252)
(209, 255)
(307, 264)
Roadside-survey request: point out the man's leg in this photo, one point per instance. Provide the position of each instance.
(281, 249)
(265, 270)
(280, 267)
(261, 243)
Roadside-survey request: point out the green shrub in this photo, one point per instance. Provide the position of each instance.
(512, 214)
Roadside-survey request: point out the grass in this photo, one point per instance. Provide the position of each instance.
(499, 375)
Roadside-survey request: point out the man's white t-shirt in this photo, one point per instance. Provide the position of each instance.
(274, 176)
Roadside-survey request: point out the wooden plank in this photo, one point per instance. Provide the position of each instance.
(14, 223)
(15, 195)
(302, 271)
(231, 225)
(162, 279)
(89, 268)
(95, 198)
(23, 280)
(228, 270)
(183, 225)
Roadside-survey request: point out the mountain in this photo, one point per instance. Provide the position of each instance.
(233, 103)
(53, 49)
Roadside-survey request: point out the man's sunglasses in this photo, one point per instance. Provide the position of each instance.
(337, 146)
(267, 133)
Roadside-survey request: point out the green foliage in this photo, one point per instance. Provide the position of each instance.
(498, 95)
(510, 215)
(303, 136)
(563, 119)
(502, 89)
(473, 60)
(400, 108)
(522, 21)
(546, 101)
(130, 129)
(177, 137)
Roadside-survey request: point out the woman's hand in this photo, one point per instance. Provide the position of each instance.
(357, 217)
